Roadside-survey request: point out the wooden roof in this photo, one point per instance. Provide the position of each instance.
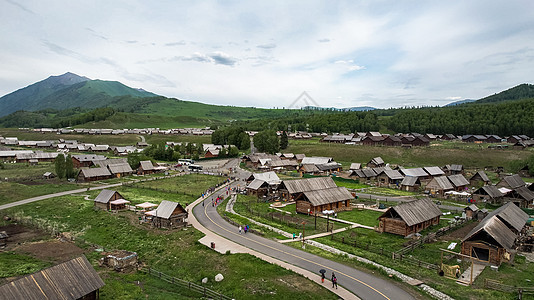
(165, 209)
(105, 195)
(70, 280)
(393, 174)
(434, 171)
(416, 211)
(442, 182)
(377, 161)
(416, 172)
(256, 184)
(147, 165)
(120, 168)
(309, 184)
(270, 177)
(355, 166)
(514, 181)
(458, 180)
(95, 172)
(482, 175)
(309, 168)
(524, 193)
(410, 181)
(489, 190)
(82, 158)
(326, 196)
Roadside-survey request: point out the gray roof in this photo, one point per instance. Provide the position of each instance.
(147, 165)
(70, 280)
(165, 209)
(409, 180)
(309, 184)
(434, 171)
(443, 182)
(416, 172)
(270, 177)
(355, 166)
(514, 181)
(95, 172)
(377, 161)
(91, 157)
(309, 168)
(393, 174)
(367, 172)
(326, 196)
(328, 166)
(416, 211)
(482, 175)
(458, 180)
(524, 193)
(490, 190)
(316, 160)
(456, 168)
(499, 222)
(472, 207)
(282, 163)
(104, 196)
(110, 161)
(120, 168)
(255, 184)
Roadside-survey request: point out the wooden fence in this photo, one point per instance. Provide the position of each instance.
(498, 286)
(186, 284)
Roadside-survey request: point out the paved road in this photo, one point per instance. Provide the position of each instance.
(364, 285)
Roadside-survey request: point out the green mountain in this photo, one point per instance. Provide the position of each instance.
(66, 91)
(520, 92)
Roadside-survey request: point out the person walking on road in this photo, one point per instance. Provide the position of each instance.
(333, 277)
(239, 229)
(334, 281)
(322, 277)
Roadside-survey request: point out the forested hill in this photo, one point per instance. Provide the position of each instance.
(522, 91)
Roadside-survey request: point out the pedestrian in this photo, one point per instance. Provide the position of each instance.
(239, 229)
(334, 282)
(294, 236)
(333, 276)
(322, 277)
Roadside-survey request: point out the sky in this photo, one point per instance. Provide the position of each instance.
(267, 53)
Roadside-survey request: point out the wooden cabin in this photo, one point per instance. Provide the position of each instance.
(316, 201)
(479, 179)
(389, 178)
(471, 212)
(521, 196)
(74, 279)
(439, 186)
(291, 189)
(493, 239)
(168, 215)
(80, 161)
(120, 170)
(258, 188)
(488, 193)
(410, 184)
(511, 182)
(376, 162)
(93, 174)
(409, 217)
(110, 200)
(146, 167)
(459, 182)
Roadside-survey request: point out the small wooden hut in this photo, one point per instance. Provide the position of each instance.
(479, 179)
(93, 174)
(168, 215)
(409, 217)
(146, 167)
(110, 200)
(316, 201)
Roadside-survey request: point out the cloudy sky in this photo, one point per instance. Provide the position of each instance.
(266, 53)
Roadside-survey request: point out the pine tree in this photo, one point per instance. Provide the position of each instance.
(69, 168)
(59, 165)
(284, 141)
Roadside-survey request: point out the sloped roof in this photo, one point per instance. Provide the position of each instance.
(309, 184)
(458, 180)
(434, 171)
(482, 175)
(147, 165)
(270, 177)
(95, 172)
(309, 168)
(83, 158)
(490, 190)
(514, 181)
(316, 160)
(165, 209)
(367, 172)
(512, 215)
(443, 182)
(416, 172)
(393, 174)
(110, 161)
(104, 196)
(409, 180)
(416, 211)
(355, 166)
(524, 193)
(496, 229)
(282, 163)
(300, 156)
(377, 161)
(70, 280)
(255, 184)
(328, 166)
(120, 168)
(472, 207)
(326, 196)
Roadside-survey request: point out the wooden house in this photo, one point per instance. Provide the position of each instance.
(316, 201)
(120, 170)
(355, 166)
(363, 175)
(389, 178)
(419, 141)
(439, 186)
(471, 212)
(434, 171)
(493, 139)
(376, 162)
(211, 152)
(110, 200)
(493, 239)
(392, 141)
(74, 279)
(488, 193)
(416, 172)
(309, 169)
(410, 184)
(479, 179)
(511, 182)
(472, 138)
(513, 139)
(453, 169)
(93, 174)
(430, 137)
(329, 168)
(168, 215)
(80, 161)
(258, 188)
(269, 177)
(290, 189)
(459, 182)
(372, 140)
(146, 167)
(299, 157)
(282, 164)
(449, 137)
(521, 196)
(409, 217)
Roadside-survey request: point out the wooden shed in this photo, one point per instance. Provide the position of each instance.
(92, 174)
(80, 161)
(494, 237)
(120, 170)
(74, 279)
(389, 178)
(410, 184)
(459, 182)
(376, 162)
(316, 201)
(479, 179)
(146, 167)
(290, 189)
(488, 193)
(471, 211)
(439, 185)
(409, 217)
(168, 215)
(258, 188)
(512, 182)
(110, 200)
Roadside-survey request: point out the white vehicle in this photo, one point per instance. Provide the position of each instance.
(195, 168)
(186, 161)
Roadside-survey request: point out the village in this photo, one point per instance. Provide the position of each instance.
(447, 229)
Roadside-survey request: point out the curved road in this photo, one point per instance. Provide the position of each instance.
(362, 284)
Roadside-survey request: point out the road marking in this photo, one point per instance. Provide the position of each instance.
(290, 254)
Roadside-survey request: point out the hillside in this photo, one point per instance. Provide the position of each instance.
(520, 92)
(66, 91)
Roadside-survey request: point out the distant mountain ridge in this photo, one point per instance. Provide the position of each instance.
(66, 91)
(519, 92)
(358, 108)
(459, 102)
